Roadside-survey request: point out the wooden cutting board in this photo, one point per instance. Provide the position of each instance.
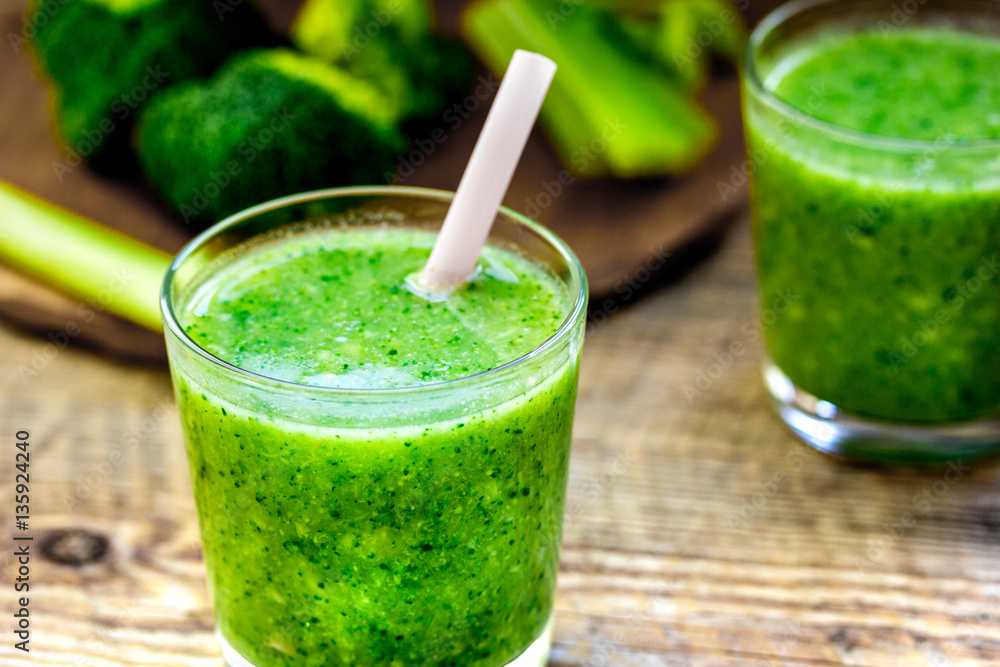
(627, 234)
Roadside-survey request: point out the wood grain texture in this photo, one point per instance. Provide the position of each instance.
(697, 533)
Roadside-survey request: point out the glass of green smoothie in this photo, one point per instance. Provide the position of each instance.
(873, 132)
(379, 478)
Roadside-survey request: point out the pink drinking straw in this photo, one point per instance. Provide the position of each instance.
(487, 176)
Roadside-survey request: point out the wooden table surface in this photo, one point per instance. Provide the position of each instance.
(699, 532)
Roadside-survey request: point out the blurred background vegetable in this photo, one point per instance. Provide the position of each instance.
(271, 123)
(105, 269)
(107, 60)
(391, 44)
(681, 36)
(325, 93)
(374, 72)
(370, 71)
(617, 69)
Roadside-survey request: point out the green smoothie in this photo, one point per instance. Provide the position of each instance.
(335, 539)
(887, 230)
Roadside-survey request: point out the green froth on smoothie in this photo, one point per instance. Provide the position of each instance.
(892, 258)
(331, 309)
(919, 83)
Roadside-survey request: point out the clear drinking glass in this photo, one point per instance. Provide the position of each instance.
(310, 498)
(877, 257)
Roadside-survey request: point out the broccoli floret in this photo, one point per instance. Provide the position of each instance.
(392, 44)
(108, 58)
(337, 30)
(271, 123)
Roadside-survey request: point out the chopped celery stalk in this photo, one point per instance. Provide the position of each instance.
(676, 47)
(640, 29)
(104, 268)
(606, 113)
(716, 22)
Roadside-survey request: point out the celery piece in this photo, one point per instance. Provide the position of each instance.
(639, 29)
(606, 113)
(662, 40)
(681, 36)
(107, 270)
(714, 27)
(676, 46)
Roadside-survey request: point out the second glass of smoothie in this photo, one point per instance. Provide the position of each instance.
(873, 130)
(379, 478)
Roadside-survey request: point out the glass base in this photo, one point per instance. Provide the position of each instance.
(839, 433)
(536, 655)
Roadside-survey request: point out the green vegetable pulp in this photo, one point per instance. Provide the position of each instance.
(893, 270)
(399, 544)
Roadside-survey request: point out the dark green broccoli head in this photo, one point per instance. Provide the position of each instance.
(440, 74)
(271, 123)
(392, 44)
(106, 59)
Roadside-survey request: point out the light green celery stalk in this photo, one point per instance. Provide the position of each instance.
(677, 33)
(601, 98)
(108, 270)
(690, 30)
(681, 36)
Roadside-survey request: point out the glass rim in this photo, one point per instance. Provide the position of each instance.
(779, 17)
(577, 288)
